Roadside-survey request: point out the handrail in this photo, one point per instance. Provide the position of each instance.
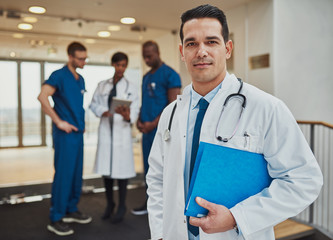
(319, 135)
(316, 123)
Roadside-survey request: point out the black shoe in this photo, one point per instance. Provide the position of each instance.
(141, 210)
(60, 228)
(108, 212)
(119, 215)
(77, 217)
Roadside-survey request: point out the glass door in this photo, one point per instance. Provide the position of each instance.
(31, 109)
(8, 104)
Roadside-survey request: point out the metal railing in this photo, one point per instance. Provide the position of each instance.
(320, 138)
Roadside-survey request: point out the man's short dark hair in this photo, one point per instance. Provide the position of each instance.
(118, 56)
(205, 11)
(75, 46)
(151, 43)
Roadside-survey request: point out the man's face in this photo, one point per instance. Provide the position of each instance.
(204, 52)
(79, 59)
(120, 68)
(151, 56)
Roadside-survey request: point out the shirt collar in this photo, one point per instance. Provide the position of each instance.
(195, 97)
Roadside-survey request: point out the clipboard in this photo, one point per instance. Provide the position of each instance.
(119, 102)
(225, 176)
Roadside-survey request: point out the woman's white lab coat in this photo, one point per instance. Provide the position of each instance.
(114, 156)
(272, 131)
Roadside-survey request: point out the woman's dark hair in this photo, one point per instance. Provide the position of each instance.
(205, 11)
(119, 56)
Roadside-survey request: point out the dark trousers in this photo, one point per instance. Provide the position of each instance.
(122, 185)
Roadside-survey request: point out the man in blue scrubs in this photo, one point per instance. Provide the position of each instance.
(160, 86)
(66, 87)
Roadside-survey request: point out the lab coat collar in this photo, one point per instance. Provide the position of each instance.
(110, 80)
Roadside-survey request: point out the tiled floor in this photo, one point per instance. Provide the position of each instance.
(20, 166)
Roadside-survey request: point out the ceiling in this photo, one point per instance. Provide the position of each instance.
(68, 20)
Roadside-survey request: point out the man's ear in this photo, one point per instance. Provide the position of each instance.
(229, 47)
(181, 51)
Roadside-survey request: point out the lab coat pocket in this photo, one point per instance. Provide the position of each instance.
(246, 142)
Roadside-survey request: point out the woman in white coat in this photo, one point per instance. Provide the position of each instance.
(114, 157)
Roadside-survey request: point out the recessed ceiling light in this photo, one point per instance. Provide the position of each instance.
(30, 19)
(12, 54)
(104, 34)
(127, 20)
(114, 28)
(24, 26)
(90, 41)
(18, 35)
(37, 9)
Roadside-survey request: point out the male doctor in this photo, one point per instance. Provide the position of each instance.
(266, 127)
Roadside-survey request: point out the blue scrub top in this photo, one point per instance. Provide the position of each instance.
(68, 97)
(155, 88)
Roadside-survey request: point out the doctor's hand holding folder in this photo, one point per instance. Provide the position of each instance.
(224, 176)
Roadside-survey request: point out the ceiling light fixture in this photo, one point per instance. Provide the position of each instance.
(127, 20)
(30, 19)
(52, 51)
(12, 54)
(104, 34)
(37, 9)
(18, 35)
(24, 26)
(114, 28)
(90, 41)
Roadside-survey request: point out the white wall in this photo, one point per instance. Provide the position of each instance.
(298, 35)
(303, 48)
(236, 19)
(251, 25)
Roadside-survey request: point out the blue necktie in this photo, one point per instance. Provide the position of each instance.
(203, 105)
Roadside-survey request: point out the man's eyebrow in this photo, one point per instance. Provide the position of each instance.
(213, 38)
(189, 39)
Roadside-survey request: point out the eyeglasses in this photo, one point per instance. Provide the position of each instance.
(82, 59)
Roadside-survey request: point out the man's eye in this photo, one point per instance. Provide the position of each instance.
(190, 44)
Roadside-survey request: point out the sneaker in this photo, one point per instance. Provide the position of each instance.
(77, 217)
(60, 228)
(140, 210)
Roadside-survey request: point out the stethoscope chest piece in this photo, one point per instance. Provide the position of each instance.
(166, 135)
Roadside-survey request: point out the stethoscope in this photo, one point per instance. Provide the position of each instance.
(126, 93)
(167, 136)
(234, 95)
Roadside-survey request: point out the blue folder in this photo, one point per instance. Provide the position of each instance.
(225, 176)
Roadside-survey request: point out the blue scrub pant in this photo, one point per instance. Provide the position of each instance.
(68, 165)
(147, 142)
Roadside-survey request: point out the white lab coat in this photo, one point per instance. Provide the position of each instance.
(121, 164)
(273, 132)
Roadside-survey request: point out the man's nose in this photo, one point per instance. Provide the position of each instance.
(202, 51)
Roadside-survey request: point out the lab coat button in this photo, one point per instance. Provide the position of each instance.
(184, 220)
